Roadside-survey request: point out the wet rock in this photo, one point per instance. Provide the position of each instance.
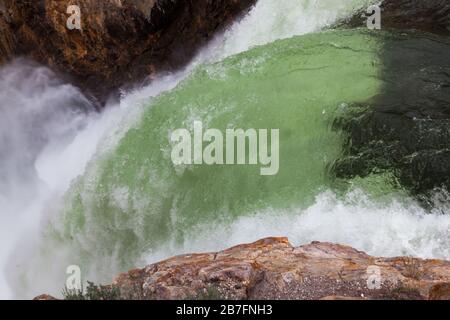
(121, 41)
(426, 15)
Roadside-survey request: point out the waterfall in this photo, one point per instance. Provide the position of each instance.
(60, 162)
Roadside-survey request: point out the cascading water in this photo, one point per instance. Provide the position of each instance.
(102, 193)
(38, 111)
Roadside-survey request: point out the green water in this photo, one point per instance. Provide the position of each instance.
(134, 199)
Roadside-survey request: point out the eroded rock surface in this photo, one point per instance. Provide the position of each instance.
(121, 41)
(423, 15)
(427, 15)
(274, 269)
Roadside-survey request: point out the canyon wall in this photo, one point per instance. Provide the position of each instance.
(120, 41)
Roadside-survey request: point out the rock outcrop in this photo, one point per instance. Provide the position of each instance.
(120, 41)
(431, 16)
(274, 269)
(44, 297)
(426, 15)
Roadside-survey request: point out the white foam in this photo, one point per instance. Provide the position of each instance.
(272, 20)
(46, 145)
(395, 228)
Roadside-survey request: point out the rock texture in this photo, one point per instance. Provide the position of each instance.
(121, 41)
(440, 292)
(426, 15)
(274, 269)
(44, 297)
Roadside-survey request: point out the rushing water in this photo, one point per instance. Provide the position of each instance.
(101, 192)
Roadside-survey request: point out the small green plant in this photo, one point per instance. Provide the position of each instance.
(412, 269)
(73, 294)
(405, 293)
(92, 292)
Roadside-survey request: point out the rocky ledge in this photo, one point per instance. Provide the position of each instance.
(274, 269)
(427, 15)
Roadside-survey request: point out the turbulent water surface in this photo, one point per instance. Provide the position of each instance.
(103, 193)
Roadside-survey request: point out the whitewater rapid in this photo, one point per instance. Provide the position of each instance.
(396, 228)
(46, 142)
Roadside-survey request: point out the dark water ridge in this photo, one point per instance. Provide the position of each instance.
(406, 128)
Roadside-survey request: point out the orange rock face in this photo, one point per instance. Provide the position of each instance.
(120, 41)
(273, 269)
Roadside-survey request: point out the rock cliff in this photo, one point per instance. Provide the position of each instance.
(120, 41)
